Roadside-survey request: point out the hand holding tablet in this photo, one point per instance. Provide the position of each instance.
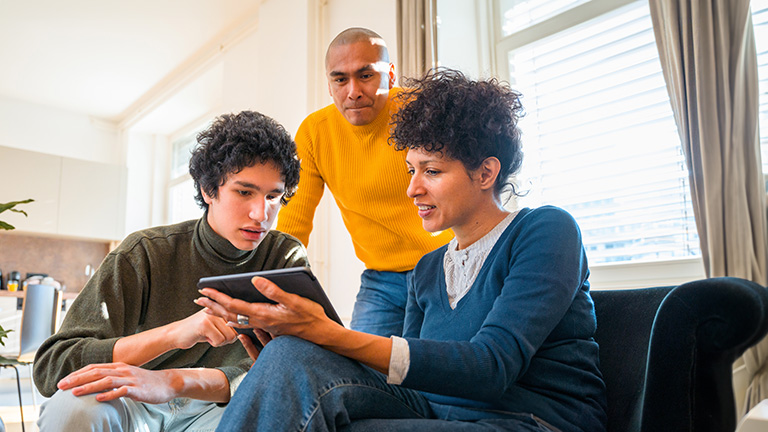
(295, 280)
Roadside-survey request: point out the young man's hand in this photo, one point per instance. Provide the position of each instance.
(201, 327)
(114, 380)
(143, 347)
(110, 381)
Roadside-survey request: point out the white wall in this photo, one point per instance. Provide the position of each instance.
(58, 132)
(460, 29)
(277, 69)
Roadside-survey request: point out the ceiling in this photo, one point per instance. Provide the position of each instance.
(104, 57)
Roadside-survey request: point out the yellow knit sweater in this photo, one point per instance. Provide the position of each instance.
(368, 180)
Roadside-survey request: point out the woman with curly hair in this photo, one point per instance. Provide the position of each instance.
(499, 324)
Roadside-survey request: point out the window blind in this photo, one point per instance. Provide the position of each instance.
(520, 14)
(600, 139)
(760, 23)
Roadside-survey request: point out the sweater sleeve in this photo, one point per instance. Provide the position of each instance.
(297, 216)
(542, 268)
(103, 312)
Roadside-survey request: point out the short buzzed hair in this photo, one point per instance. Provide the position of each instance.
(359, 34)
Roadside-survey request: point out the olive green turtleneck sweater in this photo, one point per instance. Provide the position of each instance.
(148, 281)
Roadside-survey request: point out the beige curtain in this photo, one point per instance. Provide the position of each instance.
(416, 37)
(707, 52)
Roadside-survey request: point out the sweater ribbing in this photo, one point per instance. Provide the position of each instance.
(368, 179)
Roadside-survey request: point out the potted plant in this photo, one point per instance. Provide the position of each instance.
(6, 226)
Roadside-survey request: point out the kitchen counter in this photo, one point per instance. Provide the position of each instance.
(20, 294)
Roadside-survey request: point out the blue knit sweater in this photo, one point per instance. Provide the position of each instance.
(521, 339)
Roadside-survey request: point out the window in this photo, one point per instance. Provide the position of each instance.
(181, 190)
(599, 136)
(760, 23)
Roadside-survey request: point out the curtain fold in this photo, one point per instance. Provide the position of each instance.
(708, 56)
(416, 37)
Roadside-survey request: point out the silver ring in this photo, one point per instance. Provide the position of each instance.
(242, 319)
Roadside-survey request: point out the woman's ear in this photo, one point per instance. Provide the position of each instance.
(488, 172)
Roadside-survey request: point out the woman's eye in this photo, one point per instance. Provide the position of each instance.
(410, 171)
(432, 172)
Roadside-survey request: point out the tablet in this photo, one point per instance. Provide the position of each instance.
(296, 280)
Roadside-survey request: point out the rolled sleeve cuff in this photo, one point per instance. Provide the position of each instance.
(399, 361)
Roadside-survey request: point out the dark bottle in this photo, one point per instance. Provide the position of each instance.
(2, 285)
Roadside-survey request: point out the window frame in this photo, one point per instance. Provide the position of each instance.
(621, 275)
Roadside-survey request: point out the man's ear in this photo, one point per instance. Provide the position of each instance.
(206, 197)
(488, 172)
(391, 75)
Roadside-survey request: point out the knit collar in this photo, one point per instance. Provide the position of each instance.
(213, 246)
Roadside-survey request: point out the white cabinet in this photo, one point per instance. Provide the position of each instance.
(23, 175)
(91, 200)
(73, 197)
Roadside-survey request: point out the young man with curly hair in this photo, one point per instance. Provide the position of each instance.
(344, 147)
(134, 352)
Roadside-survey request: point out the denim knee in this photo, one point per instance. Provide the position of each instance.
(64, 411)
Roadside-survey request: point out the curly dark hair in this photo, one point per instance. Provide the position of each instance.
(237, 141)
(466, 120)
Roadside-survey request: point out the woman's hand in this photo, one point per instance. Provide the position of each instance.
(250, 347)
(290, 315)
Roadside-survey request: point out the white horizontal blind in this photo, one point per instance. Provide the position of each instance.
(520, 14)
(760, 23)
(600, 140)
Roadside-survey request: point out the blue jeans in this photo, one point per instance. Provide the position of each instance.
(380, 303)
(65, 412)
(297, 386)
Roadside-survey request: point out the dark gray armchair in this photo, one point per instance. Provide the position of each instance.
(666, 353)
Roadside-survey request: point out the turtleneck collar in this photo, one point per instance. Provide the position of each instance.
(217, 247)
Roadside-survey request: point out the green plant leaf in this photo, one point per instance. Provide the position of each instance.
(4, 334)
(12, 204)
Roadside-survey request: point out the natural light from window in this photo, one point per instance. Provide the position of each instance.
(600, 139)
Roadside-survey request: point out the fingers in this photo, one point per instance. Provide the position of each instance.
(223, 305)
(272, 291)
(221, 333)
(88, 374)
(263, 336)
(249, 346)
(97, 378)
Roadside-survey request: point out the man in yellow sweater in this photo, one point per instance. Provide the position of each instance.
(344, 146)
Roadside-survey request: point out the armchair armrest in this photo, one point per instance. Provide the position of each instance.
(700, 329)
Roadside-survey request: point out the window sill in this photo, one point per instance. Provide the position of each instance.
(647, 274)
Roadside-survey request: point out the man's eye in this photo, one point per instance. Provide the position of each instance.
(244, 192)
(273, 197)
